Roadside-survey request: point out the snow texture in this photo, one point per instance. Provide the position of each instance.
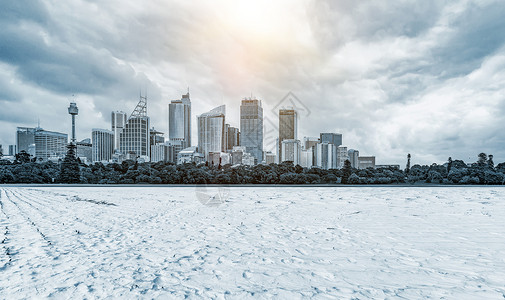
(261, 242)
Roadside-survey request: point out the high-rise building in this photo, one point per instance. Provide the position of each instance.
(332, 138)
(118, 122)
(309, 142)
(342, 156)
(134, 138)
(251, 127)
(211, 127)
(306, 158)
(365, 162)
(325, 156)
(12, 150)
(162, 152)
(102, 141)
(232, 137)
(353, 157)
(288, 127)
(179, 123)
(24, 138)
(291, 151)
(49, 144)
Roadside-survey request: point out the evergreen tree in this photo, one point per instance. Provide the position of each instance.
(490, 161)
(69, 171)
(482, 159)
(23, 157)
(407, 169)
(346, 171)
(449, 165)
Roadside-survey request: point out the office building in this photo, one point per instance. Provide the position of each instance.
(309, 142)
(211, 127)
(232, 137)
(179, 123)
(288, 127)
(353, 157)
(118, 122)
(134, 138)
(25, 137)
(251, 127)
(291, 151)
(190, 155)
(84, 151)
(342, 156)
(162, 152)
(325, 156)
(102, 141)
(306, 158)
(331, 138)
(270, 158)
(365, 162)
(12, 150)
(46, 144)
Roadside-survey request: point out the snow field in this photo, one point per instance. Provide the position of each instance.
(263, 242)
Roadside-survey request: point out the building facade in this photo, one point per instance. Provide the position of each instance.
(179, 123)
(353, 158)
(365, 162)
(331, 138)
(49, 144)
(232, 137)
(211, 126)
(291, 151)
(342, 156)
(306, 158)
(325, 156)
(25, 137)
(102, 148)
(288, 127)
(12, 150)
(251, 127)
(84, 151)
(118, 122)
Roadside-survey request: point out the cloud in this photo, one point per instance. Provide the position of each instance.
(393, 76)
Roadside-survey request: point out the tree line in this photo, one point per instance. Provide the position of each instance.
(71, 170)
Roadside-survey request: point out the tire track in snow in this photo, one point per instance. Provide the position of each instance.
(7, 259)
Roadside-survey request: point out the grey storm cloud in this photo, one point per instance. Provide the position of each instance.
(395, 77)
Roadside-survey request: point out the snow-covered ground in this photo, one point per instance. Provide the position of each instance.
(263, 242)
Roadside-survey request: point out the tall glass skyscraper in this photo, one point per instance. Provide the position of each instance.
(251, 127)
(288, 127)
(179, 123)
(211, 135)
(118, 122)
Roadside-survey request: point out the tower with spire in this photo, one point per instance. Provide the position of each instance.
(134, 138)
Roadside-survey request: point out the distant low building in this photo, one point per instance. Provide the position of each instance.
(387, 167)
(162, 152)
(342, 156)
(189, 155)
(84, 151)
(366, 162)
(270, 158)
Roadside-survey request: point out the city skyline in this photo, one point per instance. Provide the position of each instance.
(393, 77)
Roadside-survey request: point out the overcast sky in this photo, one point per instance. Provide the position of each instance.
(394, 77)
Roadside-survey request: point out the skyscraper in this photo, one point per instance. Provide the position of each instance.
(332, 138)
(232, 137)
(134, 138)
(288, 127)
(290, 150)
(179, 123)
(325, 155)
(102, 141)
(353, 158)
(251, 127)
(118, 122)
(211, 127)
